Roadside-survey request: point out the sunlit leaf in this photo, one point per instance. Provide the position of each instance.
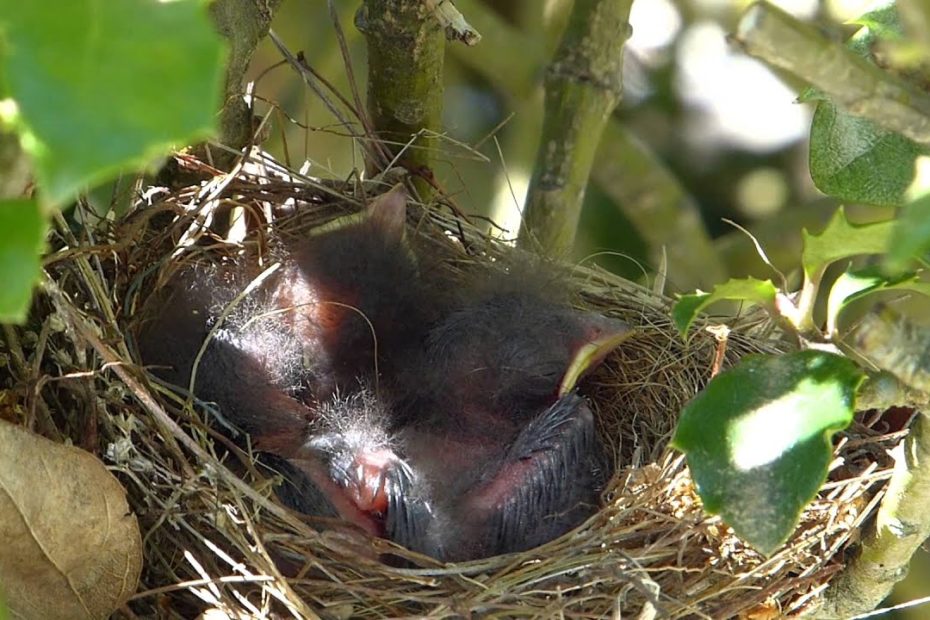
(854, 285)
(758, 439)
(755, 291)
(22, 239)
(842, 239)
(106, 85)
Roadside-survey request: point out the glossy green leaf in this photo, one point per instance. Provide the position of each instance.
(107, 85)
(755, 291)
(22, 239)
(853, 159)
(854, 285)
(842, 239)
(758, 443)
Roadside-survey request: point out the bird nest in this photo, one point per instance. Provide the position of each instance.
(215, 535)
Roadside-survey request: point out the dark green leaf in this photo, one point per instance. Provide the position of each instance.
(854, 159)
(106, 85)
(842, 239)
(758, 439)
(687, 307)
(22, 239)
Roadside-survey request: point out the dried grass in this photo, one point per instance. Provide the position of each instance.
(215, 536)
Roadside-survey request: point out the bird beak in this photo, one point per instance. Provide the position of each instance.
(606, 337)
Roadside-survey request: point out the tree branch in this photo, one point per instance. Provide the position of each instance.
(243, 23)
(901, 526)
(852, 82)
(636, 181)
(405, 59)
(897, 346)
(583, 86)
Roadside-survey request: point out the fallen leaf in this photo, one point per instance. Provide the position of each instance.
(71, 546)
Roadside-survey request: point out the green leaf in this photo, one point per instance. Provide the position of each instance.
(842, 239)
(853, 159)
(882, 24)
(107, 85)
(22, 240)
(760, 292)
(854, 285)
(911, 236)
(758, 443)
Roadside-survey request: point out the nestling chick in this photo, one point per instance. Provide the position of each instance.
(345, 304)
(510, 451)
(342, 300)
(349, 468)
(444, 422)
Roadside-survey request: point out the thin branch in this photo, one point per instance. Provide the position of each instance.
(853, 83)
(456, 26)
(311, 80)
(244, 23)
(635, 180)
(377, 151)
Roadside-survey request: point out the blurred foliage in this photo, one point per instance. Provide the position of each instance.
(85, 98)
(87, 57)
(712, 167)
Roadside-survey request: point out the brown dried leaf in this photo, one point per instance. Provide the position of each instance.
(71, 546)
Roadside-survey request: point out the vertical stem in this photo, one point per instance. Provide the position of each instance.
(405, 56)
(636, 181)
(583, 86)
(244, 23)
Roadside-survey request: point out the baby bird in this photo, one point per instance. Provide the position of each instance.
(350, 468)
(510, 451)
(285, 360)
(438, 415)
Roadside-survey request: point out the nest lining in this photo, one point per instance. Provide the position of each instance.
(215, 536)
